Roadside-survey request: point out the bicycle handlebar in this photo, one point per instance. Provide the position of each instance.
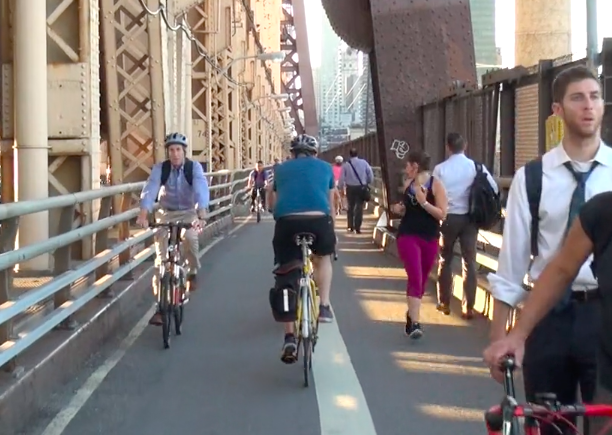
(179, 225)
(547, 407)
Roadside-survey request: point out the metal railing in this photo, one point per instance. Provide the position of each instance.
(27, 317)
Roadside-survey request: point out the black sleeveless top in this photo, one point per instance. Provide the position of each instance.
(417, 221)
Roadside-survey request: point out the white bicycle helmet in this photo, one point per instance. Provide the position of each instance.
(339, 159)
(304, 143)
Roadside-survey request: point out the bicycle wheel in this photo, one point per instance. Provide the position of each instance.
(258, 214)
(306, 333)
(307, 359)
(165, 310)
(178, 311)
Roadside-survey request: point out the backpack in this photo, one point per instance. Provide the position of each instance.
(533, 186)
(167, 167)
(187, 170)
(485, 204)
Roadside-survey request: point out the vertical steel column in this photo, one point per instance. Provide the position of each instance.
(31, 129)
(591, 27)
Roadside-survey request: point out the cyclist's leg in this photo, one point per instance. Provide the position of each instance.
(285, 251)
(262, 193)
(253, 197)
(191, 245)
(161, 246)
(323, 249)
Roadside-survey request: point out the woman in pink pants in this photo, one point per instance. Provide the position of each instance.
(422, 209)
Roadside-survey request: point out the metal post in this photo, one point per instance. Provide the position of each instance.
(592, 42)
(31, 130)
(209, 116)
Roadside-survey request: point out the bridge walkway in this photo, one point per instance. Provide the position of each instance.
(224, 375)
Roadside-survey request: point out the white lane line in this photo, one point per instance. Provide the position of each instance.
(61, 421)
(343, 409)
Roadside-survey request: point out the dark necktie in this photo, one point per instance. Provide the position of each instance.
(576, 203)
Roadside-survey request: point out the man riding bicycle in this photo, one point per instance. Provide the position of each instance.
(183, 195)
(302, 198)
(258, 179)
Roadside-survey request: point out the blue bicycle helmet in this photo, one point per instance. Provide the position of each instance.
(175, 139)
(304, 143)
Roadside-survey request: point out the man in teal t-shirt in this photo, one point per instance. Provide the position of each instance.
(303, 195)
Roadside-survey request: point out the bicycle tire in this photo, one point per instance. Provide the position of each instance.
(307, 359)
(258, 215)
(165, 311)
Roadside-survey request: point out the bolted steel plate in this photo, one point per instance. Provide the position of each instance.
(352, 21)
(422, 48)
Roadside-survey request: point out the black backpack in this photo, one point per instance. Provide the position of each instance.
(533, 186)
(485, 203)
(188, 171)
(167, 167)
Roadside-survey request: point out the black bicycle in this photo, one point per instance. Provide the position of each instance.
(172, 294)
(259, 204)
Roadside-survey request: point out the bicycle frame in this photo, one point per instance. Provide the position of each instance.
(171, 268)
(306, 290)
(503, 419)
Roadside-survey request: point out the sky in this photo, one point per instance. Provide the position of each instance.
(504, 26)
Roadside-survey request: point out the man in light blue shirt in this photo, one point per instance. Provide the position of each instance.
(356, 175)
(183, 194)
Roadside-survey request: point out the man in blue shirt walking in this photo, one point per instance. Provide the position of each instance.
(183, 196)
(356, 175)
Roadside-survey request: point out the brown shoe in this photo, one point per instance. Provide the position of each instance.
(468, 314)
(192, 283)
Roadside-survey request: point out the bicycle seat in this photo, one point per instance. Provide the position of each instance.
(309, 238)
(283, 269)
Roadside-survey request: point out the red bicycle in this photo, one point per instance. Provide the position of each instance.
(503, 419)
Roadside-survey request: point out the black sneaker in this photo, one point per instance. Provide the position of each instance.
(443, 308)
(416, 331)
(289, 352)
(408, 326)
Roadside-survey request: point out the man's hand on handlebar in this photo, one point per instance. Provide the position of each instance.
(498, 350)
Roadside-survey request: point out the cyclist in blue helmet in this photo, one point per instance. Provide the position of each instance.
(182, 190)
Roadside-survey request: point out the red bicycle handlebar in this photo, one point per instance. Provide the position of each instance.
(501, 419)
(494, 416)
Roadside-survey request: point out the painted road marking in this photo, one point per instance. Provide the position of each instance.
(343, 409)
(61, 421)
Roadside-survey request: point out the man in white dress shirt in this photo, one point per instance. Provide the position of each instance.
(561, 352)
(458, 173)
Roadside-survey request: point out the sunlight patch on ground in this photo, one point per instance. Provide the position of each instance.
(438, 357)
(426, 363)
(370, 250)
(454, 413)
(390, 306)
(375, 272)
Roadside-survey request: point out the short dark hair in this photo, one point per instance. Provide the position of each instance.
(421, 158)
(455, 142)
(569, 76)
(259, 162)
(353, 152)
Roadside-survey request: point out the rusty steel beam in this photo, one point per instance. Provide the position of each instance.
(418, 49)
(294, 41)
